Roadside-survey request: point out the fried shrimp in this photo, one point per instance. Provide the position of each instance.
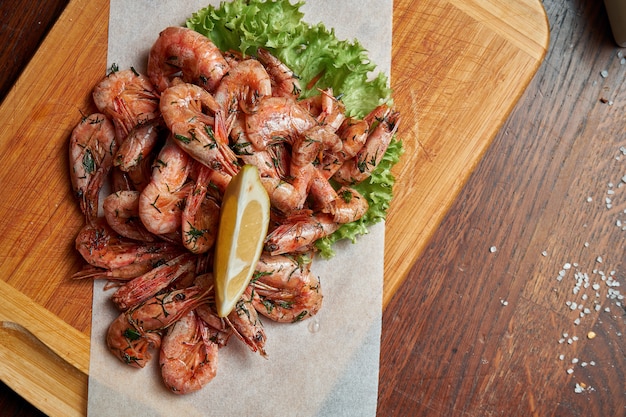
(160, 202)
(188, 356)
(185, 108)
(128, 98)
(92, 146)
(243, 87)
(383, 122)
(184, 53)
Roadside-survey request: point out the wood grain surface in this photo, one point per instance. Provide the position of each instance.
(475, 332)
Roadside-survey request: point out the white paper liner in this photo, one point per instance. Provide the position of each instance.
(323, 366)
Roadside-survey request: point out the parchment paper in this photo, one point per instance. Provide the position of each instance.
(323, 366)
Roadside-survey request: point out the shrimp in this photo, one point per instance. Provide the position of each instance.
(200, 216)
(299, 231)
(285, 194)
(128, 98)
(160, 202)
(182, 51)
(138, 145)
(383, 122)
(353, 134)
(327, 109)
(135, 331)
(243, 87)
(147, 285)
(246, 323)
(284, 82)
(277, 270)
(188, 357)
(349, 206)
(91, 150)
(130, 345)
(121, 211)
(285, 289)
(278, 119)
(346, 204)
(310, 144)
(101, 247)
(202, 136)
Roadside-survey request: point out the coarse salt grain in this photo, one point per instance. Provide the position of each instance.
(493, 249)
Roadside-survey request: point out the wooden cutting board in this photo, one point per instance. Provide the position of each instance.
(458, 68)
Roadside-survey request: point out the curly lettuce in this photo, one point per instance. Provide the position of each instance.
(321, 61)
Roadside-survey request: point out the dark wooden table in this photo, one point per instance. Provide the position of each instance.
(514, 309)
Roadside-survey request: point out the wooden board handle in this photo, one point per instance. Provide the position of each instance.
(43, 358)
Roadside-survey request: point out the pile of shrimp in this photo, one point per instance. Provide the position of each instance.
(168, 143)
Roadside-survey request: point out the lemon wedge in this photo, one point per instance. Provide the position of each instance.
(244, 219)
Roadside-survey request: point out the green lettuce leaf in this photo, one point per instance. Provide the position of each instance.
(320, 60)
